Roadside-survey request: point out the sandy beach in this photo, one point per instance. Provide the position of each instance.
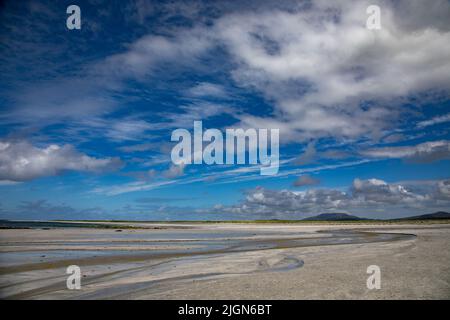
(227, 261)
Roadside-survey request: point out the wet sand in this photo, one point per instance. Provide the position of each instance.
(227, 261)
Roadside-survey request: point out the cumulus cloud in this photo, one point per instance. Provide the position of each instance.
(367, 196)
(375, 191)
(319, 65)
(424, 152)
(273, 202)
(443, 190)
(305, 180)
(21, 161)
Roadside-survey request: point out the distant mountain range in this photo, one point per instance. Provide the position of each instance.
(348, 217)
(430, 216)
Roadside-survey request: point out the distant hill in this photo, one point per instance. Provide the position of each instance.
(333, 217)
(348, 217)
(430, 216)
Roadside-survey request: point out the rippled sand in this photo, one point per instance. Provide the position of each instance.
(227, 261)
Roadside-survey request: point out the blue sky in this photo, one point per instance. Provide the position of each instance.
(86, 115)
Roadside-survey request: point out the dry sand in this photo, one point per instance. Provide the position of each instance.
(224, 261)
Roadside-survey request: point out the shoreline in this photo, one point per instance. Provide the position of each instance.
(204, 255)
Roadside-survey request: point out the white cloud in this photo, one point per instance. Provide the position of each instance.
(443, 190)
(364, 196)
(149, 52)
(435, 120)
(206, 89)
(134, 186)
(174, 171)
(8, 183)
(424, 152)
(21, 161)
(194, 112)
(129, 128)
(317, 65)
(376, 192)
